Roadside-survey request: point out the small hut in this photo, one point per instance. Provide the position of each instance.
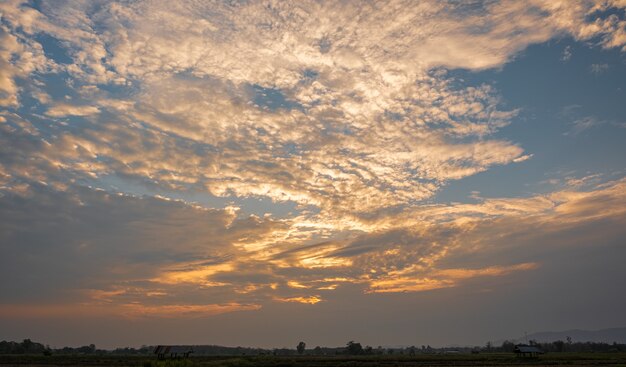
(172, 351)
(527, 351)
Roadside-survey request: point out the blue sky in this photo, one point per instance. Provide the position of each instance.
(553, 93)
(393, 173)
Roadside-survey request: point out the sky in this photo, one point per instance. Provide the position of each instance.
(259, 173)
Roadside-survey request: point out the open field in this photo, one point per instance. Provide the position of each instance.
(486, 359)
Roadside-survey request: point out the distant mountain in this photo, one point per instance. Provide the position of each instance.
(605, 335)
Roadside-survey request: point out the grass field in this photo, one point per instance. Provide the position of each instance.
(485, 359)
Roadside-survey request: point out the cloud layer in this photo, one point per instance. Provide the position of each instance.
(347, 114)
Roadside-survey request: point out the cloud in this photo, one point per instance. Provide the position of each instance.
(63, 109)
(20, 55)
(131, 239)
(583, 181)
(18, 59)
(599, 68)
(585, 123)
(362, 117)
(149, 257)
(307, 300)
(404, 281)
(567, 53)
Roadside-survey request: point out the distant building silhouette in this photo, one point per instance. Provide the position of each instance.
(172, 351)
(527, 351)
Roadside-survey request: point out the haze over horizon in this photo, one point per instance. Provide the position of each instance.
(258, 173)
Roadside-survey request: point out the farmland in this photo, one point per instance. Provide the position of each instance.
(483, 359)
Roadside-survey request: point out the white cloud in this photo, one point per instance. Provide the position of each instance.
(567, 53)
(599, 68)
(360, 111)
(63, 109)
(584, 123)
(371, 115)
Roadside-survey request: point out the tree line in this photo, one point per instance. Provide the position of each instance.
(28, 346)
(567, 345)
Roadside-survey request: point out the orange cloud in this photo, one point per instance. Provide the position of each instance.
(489, 271)
(199, 274)
(311, 300)
(440, 278)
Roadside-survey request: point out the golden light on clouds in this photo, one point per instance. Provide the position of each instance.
(311, 300)
(185, 159)
(200, 274)
(437, 279)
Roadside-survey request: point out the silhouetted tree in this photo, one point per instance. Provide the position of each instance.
(300, 348)
(488, 346)
(507, 346)
(559, 345)
(354, 348)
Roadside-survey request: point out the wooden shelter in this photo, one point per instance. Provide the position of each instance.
(527, 351)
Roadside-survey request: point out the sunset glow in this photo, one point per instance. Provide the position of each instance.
(220, 168)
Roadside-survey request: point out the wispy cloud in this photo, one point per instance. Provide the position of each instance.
(412, 281)
(585, 123)
(599, 68)
(567, 53)
(63, 109)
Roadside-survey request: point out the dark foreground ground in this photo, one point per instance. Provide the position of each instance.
(495, 359)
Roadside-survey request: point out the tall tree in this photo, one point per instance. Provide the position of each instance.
(300, 348)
